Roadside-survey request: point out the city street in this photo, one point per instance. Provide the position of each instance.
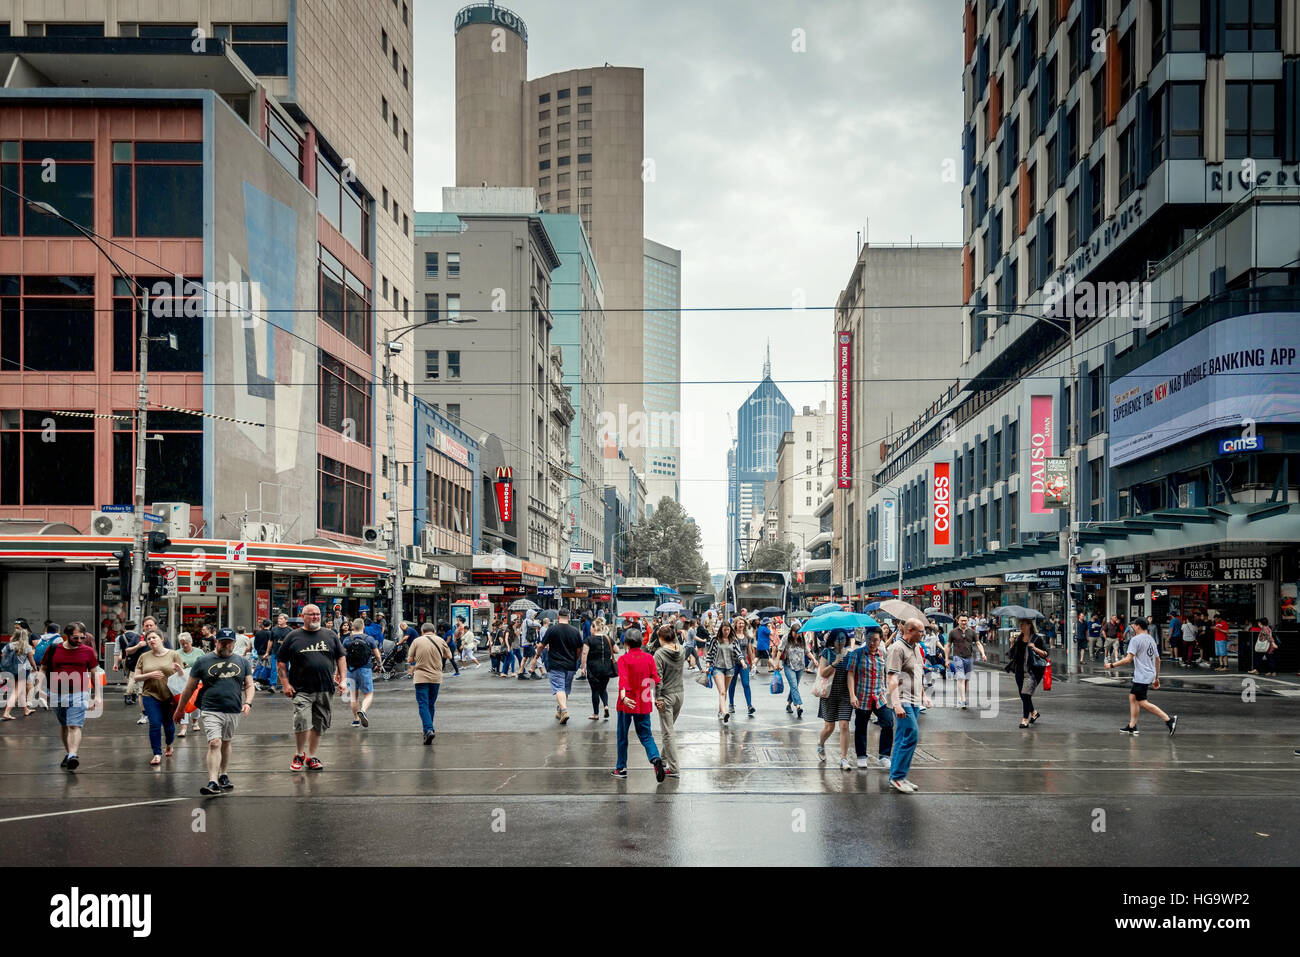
(504, 784)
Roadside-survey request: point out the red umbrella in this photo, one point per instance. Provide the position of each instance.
(630, 614)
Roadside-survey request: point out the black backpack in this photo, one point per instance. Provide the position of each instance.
(358, 651)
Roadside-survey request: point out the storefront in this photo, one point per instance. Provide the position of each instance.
(502, 579)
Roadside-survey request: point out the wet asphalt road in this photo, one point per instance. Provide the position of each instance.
(505, 784)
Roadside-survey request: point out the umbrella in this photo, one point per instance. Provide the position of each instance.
(935, 614)
(832, 620)
(549, 613)
(901, 610)
(873, 606)
(1015, 611)
(828, 606)
(770, 610)
(670, 606)
(630, 614)
(523, 604)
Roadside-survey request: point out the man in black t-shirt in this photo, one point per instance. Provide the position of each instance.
(563, 643)
(311, 669)
(226, 697)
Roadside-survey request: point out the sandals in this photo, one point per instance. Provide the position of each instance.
(167, 753)
(1033, 717)
(1024, 725)
(156, 760)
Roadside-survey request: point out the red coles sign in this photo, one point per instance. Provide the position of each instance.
(941, 505)
(505, 500)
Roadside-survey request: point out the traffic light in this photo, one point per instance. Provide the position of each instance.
(1079, 592)
(159, 542)
(123, 556)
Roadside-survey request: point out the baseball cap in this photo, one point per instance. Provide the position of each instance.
(226, 634)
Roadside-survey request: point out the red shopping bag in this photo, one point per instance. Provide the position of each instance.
(1047, 677)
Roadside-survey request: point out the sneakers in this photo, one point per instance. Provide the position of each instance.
(428, 737)
(670, 772)
(659, 769)
(564, 717)
(71, 762)
(314, 764)
(619, 772)
(142, 720)
(789, 708)
(910, 786)
(1172, 724)
(64, 762)
(726, 717)
(356, 722)
(799, 714)
(297, 762)
(1129, 730)
(212, 787)
(751, 711)
(365, 722)
(884, 762)
(180, 732)
(846, 764)
(902, 786)
(821, 754)
(224, 783)
(864, 762)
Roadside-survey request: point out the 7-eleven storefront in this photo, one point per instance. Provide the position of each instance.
(222, 583)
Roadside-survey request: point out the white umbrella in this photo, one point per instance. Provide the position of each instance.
(670, 606)
(901, 610)
(523, 604)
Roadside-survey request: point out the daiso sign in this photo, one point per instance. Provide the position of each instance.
(1041, 445)
(941, 506)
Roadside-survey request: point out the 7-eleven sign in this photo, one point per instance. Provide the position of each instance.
(236, 551)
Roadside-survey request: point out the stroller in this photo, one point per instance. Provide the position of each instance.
(394, 661)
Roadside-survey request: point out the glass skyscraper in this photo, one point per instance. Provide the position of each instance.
(762, 419)
(662, 341)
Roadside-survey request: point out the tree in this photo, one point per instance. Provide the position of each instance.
(665, 546)
(774, 556)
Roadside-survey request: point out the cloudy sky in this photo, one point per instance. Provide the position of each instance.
(769, 162)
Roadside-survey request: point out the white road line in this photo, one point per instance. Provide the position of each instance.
(89, 810)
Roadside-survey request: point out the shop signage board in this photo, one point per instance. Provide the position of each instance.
(888, 550)
(1038, 435)
(1164, 569)
(1014, 578)
(940, 543)
(1128, 573)
(843, 409)
(1058, 492)
(1056, 573)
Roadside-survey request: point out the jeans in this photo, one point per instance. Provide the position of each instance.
(642, 722)
(741, 677)
(905, 735)
(426, 697)
(862, 721)
(160, 721)
(507, 662)
(275, 673)
(599, 696)
(792, 695)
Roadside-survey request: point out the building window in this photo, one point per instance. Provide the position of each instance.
(157, 189)
(341, 205)
(283, 143)
(430, 307)
(453, 413)
(1053, 164)
(175, 457)
(65, 29)
(395, 61)
(584, 107)
(50, 326)
(1013, 456)
(23, 168)
(344, 301)
(562, 111)
(561, 179)
(544, 164)
(171, 319)
(1072, 214)
(544, 198)
(1128, 159)
(1071, 139)
(1097, 493)
(1185, 18)
(562, 94)
(984, 463)
(1074, 40)
(584, 192)
(584, 157)
(584, 124)
(1184, 119)
(453, 307)
(584, 91)
(1098, 104)
(453, 364)
(997, 456)
(431, 365)
(543, 98)
(563, 161)
(1251, 25)
(562, 144)
(543, 116)
(453, 265)
(344, 497)
(1097, 192)
(1251, 121)
(406, 78)
(264, 47)
(543, 148)
(543, 182)
(430, 265)
(543, 132)
(1127, 64)
(344, 400)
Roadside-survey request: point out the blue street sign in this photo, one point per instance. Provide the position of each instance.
(117, 508)
(156, 519)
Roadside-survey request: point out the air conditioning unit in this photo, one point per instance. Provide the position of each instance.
(112, 524)
(428, 540)
(371, 534)
(261, 532)
(413, 553)
(994, 545)
(175, 518)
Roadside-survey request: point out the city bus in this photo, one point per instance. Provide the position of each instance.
(758, 589)
(643, 596)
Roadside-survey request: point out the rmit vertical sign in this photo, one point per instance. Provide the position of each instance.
(940, 543)
(843, 419)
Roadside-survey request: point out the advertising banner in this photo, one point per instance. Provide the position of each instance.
(940, 544)
(1039, 443)
(1238, 371)
(843, 411)
(504, 489)
(1056, 492)
(581, 561)
(887, 548)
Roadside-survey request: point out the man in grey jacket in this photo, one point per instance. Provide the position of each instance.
(670, 659)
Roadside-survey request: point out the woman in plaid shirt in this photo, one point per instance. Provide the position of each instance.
(868, 691)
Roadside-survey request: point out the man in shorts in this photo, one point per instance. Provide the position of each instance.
(959, 655)
(362, 652)
(311, 670)
(70, 669)
(563, 644)
(227, 696)
(1144, 654)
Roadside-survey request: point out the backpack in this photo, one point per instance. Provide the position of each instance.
(42, 646)
(358, 651)
(9, 660)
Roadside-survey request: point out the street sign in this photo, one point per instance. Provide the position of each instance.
(117, 508)
(169, 572)
(156, 519)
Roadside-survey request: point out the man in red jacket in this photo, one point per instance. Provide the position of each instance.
(638, 680)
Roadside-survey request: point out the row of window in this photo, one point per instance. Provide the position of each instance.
(406, 75)
(391, 116)
(447, 498)
(431, 307)
(561, 129)
(564, 161)
(433, 371)
(562, 94)
(564, 144)
(544, 116)
(562, 179)
(452, 262)
(343, 497)
(264, 47)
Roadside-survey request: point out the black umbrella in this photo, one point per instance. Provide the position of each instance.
(1015, 611)
(549, 613)
(939, 616)
(771, 610)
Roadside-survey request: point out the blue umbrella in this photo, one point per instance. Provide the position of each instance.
(831, 620)
(873, 606)
(828, 606)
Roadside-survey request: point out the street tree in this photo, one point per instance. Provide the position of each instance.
(665, 546)
(774, 556)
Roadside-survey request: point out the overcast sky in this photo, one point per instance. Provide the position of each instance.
(768, 163)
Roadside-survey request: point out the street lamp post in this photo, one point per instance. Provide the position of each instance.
(1072, 661)
(392, 347)
(138, 550)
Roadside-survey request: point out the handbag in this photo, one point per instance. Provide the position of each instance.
(778, 685)
(822, 686)
(1047, 677)
(1261, 644)
(705, 680)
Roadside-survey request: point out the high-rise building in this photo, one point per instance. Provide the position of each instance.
(763, 418)
(274, 178)
(662, 338)
(805, 458)
(578, 138)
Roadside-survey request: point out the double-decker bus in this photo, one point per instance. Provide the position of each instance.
(758, 589)
(643, 596)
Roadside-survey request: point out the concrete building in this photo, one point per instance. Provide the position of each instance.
(259, 169)
(1087, 170)
(578, 310)
(898, 310)
(625, 504)
(560, 469)
(804, 459)
(578, 138)
(763, 418)
(662, 372)
(493, 375)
